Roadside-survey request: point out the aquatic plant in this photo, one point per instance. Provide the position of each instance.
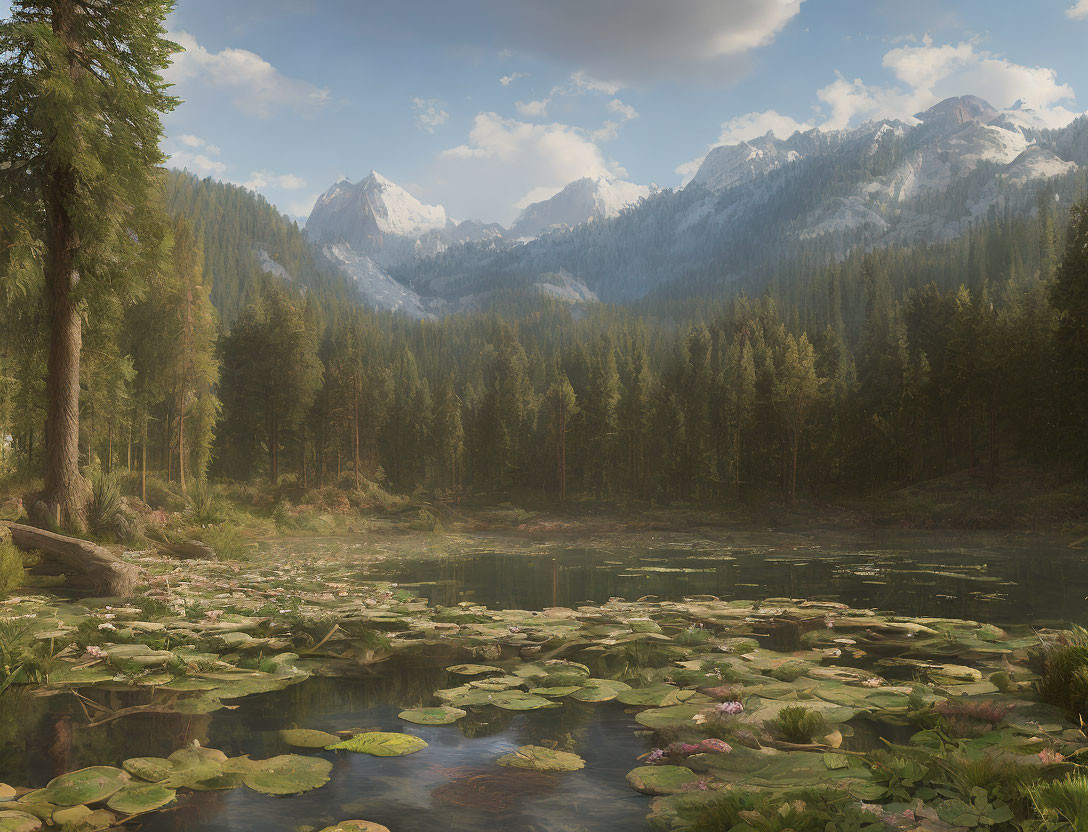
(1064, 676)
(803, 811)
(797, 724)
(1065, 800)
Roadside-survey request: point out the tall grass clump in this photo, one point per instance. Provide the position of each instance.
(12, 571)
(798, 725)
(1063, 672)
(1065, 800)
(205, 507)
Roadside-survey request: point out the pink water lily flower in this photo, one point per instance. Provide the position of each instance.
(732, 707)
(1050, 757)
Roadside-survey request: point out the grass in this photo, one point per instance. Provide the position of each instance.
(12, 571)
(798, 725)
(1065, 800)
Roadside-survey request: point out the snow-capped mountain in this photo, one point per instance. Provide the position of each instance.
(583, 200)
(749, 207)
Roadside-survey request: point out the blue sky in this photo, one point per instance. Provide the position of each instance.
(486, 105)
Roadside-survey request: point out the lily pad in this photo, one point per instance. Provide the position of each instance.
(661, 779)
(539, 758)
(287, 774)
(555, 692)
(516, 700)
(15, 821)
(441, 715)
(88, 785)
(137, 799)
(600, 690)
(472, 669)
(307, 738)
(83, 819)
(381, 744)
(674, 716)
(6, 792)
(655, 695)
(356, 826)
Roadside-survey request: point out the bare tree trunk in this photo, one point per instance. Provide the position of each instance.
(355, 424)
(66, 492)
(143, 464)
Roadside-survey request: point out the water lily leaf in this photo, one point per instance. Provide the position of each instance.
(600, 690)
(137, 799)
(83, 819)
(151, 769)
(673, 716)
(381, 744)
(661, 779)
(472, 669)
(287, 774)
(464, 696)
(539, 758)
(441, 715)
(517, 700)
(88, 785)
(655, 695)
(556, 692)
(494, 683)
(307, 738)
(356, 826)
(14, 821)
(192, 767)
(6, 792)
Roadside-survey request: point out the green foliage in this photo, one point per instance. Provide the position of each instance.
(12, 570)
(205, 506)
(226, 540)
(1065, 800)
(746, 811)
(1064, 677)
(798, 724)
(106, 517)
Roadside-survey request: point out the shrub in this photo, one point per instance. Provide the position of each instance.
(225, 539)
(798, 725)
(426, 522)
(205, 507)
(12, 571)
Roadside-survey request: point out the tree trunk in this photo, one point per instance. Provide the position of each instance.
(143, 464)
(355, 425)
(66, 492)
(793, 471)
(181, 446)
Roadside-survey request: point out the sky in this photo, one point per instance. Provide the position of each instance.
(484, 106)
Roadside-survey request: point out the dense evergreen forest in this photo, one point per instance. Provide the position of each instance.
(885, 368)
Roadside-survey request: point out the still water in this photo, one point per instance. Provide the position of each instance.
(1000, 579)
(454, 785)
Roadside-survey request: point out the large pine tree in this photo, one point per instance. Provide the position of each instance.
(81, 94)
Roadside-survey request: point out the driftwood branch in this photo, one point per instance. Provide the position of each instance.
(86, 564)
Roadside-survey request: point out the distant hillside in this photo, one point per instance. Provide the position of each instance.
(246, 239)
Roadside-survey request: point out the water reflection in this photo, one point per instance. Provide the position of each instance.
(454, 785)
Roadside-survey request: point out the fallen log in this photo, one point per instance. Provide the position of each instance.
(85, 564)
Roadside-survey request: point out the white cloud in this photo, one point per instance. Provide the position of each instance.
(197, 163)
(430, 113)
(256, 87)
(513, 163)
(625, 111)
(533, 109)
(259, 179)
(1078, 11)
(507, 80)
(196, 142)
(929, 73)
(745, 127)
(302, 207)
(610, 129)
(583, 82)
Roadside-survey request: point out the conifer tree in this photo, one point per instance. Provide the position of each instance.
(81, 92)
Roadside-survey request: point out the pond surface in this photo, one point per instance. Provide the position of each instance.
(1000, 579)
(455, 785)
